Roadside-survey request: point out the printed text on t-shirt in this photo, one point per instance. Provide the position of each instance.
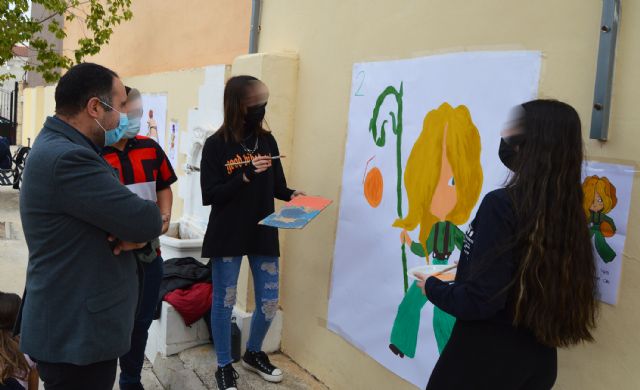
(241, 161)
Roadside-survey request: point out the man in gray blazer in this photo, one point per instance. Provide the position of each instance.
(80, 225)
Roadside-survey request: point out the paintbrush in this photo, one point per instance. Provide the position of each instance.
(444, 271)
(248, 162)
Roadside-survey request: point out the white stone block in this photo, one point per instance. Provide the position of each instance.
(169, 335)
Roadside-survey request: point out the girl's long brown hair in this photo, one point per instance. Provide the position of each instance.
(235, 92)
(12, 362)
(555, 285)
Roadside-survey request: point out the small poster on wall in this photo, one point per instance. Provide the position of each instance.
(154, 117)
(172, 143)
(607, 198)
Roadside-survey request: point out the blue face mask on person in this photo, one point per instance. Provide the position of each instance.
(133, 128)
(114, 135)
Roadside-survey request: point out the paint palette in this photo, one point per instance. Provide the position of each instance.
(429, 270)
(297, 213)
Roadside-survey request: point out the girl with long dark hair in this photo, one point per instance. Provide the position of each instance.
(17, 370)
(240, 180)
(526, 280)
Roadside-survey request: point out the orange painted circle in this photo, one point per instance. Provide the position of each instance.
(606, 229)
(373, 185)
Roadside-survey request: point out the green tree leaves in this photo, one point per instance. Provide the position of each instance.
(98, 18)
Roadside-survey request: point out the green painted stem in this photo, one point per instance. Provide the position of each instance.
(404, 269)
(396, 122)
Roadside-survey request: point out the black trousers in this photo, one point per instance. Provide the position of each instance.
(65, 376)
(484, 355)
(11, 384)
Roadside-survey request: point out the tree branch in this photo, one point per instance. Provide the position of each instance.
(53, 15)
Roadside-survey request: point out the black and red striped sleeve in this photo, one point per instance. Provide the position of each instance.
(166, 174)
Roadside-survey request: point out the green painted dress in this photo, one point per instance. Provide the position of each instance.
(443, 238)
(604, 250)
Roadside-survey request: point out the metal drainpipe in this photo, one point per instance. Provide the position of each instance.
(604, 73)
(255, 26)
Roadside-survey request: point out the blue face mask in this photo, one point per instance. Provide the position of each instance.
(133, 128)
(114, 135)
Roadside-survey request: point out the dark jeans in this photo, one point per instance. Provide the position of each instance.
(65, 376)
(131, 363)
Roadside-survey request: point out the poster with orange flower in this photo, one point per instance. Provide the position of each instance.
(421, 151)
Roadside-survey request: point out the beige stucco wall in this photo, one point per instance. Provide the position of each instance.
(171, 35)
(330, 36)
(38, 104)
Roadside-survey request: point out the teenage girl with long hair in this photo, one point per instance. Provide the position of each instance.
(240, 181)
(526, 280)
(17, 371)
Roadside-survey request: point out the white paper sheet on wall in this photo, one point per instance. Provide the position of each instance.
(154, 118)
(368, 277)
(607, 189)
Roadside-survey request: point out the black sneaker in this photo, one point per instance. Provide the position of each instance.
(259, 363)
(396, 351)
(226, 377)
(132, 386)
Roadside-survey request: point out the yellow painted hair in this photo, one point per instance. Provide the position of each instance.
(425, 164)
(602, 186)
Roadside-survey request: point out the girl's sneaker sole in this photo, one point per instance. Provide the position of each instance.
(266, 377)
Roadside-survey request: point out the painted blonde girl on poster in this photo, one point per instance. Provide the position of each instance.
(599, 199)
(443, 179)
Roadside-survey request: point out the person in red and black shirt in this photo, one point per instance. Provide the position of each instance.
(144, 169)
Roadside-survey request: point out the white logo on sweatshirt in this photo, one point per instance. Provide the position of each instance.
(468, 240)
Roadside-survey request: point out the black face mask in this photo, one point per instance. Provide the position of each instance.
(507, 154)
(254, 116)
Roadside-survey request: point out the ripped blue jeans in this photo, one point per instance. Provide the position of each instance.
(225, 271)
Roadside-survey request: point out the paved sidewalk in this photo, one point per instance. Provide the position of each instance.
(13, 250)
(193, 369)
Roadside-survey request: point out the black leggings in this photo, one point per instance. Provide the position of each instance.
(485, 355)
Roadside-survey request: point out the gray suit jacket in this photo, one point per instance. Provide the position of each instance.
(80, 298)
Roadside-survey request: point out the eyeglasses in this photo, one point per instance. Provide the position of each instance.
(107, 104)
(131, 114)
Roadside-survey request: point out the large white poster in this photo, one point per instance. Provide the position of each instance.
(154, 117)
(446, 112)
(607, 198)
